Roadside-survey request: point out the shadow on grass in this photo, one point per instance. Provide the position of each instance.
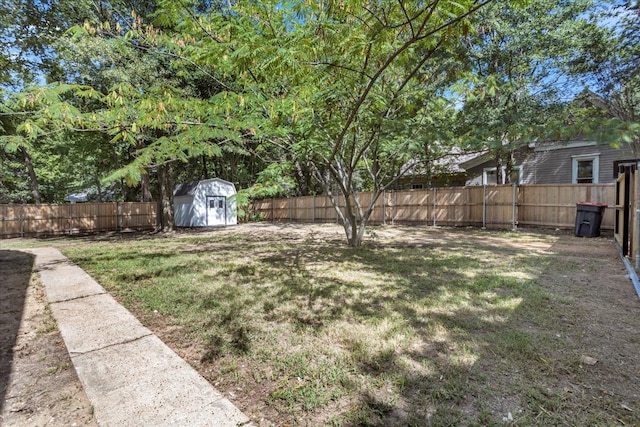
(492, 341)
(15, 270)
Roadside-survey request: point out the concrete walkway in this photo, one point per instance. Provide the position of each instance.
(130, 376)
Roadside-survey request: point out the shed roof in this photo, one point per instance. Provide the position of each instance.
(185, 189)
(188, 188)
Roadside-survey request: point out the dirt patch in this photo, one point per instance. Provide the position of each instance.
(38, 384)
(602, 317)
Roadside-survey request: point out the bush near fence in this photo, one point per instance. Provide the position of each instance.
(493, 206)
(75, 218)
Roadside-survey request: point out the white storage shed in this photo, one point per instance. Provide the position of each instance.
(206, 203)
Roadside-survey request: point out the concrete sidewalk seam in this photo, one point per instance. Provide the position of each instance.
(80, 353)
(77, 298)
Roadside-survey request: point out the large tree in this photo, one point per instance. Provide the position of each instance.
(516, 83)
(608, 62)
(352, 92)
(363, 83)
(32, 55)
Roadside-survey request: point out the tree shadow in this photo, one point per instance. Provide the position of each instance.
(520, 364)
(493, 331)
(15, 270)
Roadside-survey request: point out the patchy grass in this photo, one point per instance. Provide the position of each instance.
(453, 328)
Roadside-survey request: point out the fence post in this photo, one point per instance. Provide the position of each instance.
(515, 207)
(22, 220)
(435, 205)
(313, 214)
(273, 210)
(393, 208)
(70, 231)
(384, 207)
(635, 227)
(118, 216)
(484, 207)
(290, 211)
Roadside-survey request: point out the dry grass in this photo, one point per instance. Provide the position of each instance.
(420, 327)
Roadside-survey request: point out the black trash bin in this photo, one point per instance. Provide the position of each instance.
(588, 218)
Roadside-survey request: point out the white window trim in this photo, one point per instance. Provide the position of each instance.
(596, 166)
(503, 173)
(484, 174)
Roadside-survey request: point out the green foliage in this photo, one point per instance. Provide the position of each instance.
(295, 97)
(344, 92)
(275, 180)
(362, 86)
(607, 62)
(515, 85)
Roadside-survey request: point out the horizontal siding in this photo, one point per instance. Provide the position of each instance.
(554, 166)
(549, 167)
(474, 175)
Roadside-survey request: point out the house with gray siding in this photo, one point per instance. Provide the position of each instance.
(576, 162)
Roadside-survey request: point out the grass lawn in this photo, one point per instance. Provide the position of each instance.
(421, 326)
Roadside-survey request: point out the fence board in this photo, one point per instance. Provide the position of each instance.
(452, 206)
(494, 206)
(555, 206)
(12, 220)
(499, 206)
(138, 215)
(325, 212)
(412, 206)
(54, 219)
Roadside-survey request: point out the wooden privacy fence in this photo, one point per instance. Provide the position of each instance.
(493, 206)
(75, 218)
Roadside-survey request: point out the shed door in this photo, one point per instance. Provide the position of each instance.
(216, 210)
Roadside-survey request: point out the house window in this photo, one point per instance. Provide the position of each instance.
(416, 186)
(585, 169)
(489, 175)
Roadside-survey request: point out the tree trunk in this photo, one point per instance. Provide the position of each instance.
(354, 230)
(354, 227)
(145, 188)
(499, 169)
(165, 201)
(99, 188)
(35, 189)
(205, 170)
(508, 168)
